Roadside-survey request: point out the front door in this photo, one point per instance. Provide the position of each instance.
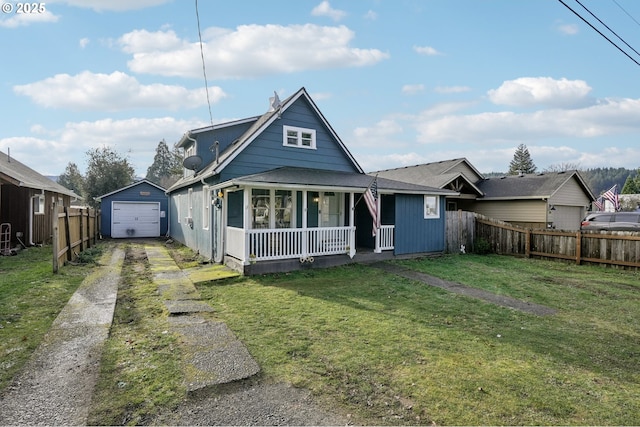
(330, 212)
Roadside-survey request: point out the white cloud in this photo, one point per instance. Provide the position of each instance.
(112, 92)
(412, 89)
(371, 15)
(608, 117)
(111, 5)
(134, 138)
(426, 50)
(16, 20)
(84, 42)
(532, 91)
(325, 9)
(379, 135)
(568, 29)
(249, 51)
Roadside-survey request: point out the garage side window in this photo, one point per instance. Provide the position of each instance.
(206, 207)
(38, 205)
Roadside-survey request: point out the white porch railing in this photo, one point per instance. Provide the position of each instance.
(286, 243)
(386, 237)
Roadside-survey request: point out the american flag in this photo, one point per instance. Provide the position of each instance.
(371, 198)
(599, 203)
(612, 195)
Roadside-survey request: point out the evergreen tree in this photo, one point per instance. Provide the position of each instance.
(167, 166)
(522, 162)
(72, 179)
(632, 184)
(107, 171)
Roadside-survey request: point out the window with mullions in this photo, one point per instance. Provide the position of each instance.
(299, 137)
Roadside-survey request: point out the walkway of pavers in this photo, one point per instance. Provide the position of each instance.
(213, 354)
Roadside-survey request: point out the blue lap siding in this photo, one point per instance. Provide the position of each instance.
(414, 233)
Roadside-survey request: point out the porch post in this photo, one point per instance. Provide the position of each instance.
(352, 231)
(378, 203)
(305, 231)
(245, 224)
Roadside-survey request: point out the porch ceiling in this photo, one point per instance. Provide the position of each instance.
(317, 178)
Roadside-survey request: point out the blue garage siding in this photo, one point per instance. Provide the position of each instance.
(414, 233)
(139, 192)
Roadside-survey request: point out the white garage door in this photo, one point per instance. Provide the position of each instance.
(135, 219)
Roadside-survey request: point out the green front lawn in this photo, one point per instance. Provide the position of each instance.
(393, 351)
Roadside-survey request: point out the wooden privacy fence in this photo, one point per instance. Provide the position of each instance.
(609, 248)
(460, 231)
(74, 230)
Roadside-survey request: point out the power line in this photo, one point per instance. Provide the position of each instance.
(607, 27)
(599, 32)
(204, 70)
(625, 11)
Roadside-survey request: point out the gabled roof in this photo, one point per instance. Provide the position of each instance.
(142, 181)
(437, 174)
(292, 177)
(530, 186)
(260, 124)
(18, 174)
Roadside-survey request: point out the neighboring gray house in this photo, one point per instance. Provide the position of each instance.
(557, 200)
(281, 190)
(137, 210)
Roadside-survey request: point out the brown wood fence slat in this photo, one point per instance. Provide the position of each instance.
(610, 248)
(74, 230)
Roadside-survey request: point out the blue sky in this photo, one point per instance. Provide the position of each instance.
(402, 82)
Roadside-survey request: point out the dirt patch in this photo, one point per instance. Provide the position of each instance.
(469, 291)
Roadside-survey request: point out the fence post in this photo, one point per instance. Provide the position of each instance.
(55, 240)
(68, 233)
(81, 230)
(578, 247)
(527, 243)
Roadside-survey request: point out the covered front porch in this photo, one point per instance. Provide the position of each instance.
(284, 224)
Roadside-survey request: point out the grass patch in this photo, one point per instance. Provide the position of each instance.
(395, 351)
(140, 371)
(31, 297)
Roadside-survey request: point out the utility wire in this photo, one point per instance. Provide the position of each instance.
(204, 70)
(607, 27)
(599, 32)
(625, 11)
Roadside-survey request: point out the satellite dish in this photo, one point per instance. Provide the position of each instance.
(192, 162)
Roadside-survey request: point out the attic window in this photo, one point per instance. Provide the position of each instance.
(299, 137)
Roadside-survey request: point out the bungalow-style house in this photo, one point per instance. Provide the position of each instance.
(137, 210)
(279, 191)
(558, 200)
(457, 175)
(26, 198)
(544, 200)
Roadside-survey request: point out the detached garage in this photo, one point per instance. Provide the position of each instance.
(138, 210)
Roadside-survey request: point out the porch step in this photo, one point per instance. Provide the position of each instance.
(212, 353)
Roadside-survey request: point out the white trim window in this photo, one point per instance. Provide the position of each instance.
(298, 137)
(38, 205)
(431, 207)
(206, 207)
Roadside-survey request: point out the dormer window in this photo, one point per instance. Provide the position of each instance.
(299, 137)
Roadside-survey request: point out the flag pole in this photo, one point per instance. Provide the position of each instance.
(367, 189)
